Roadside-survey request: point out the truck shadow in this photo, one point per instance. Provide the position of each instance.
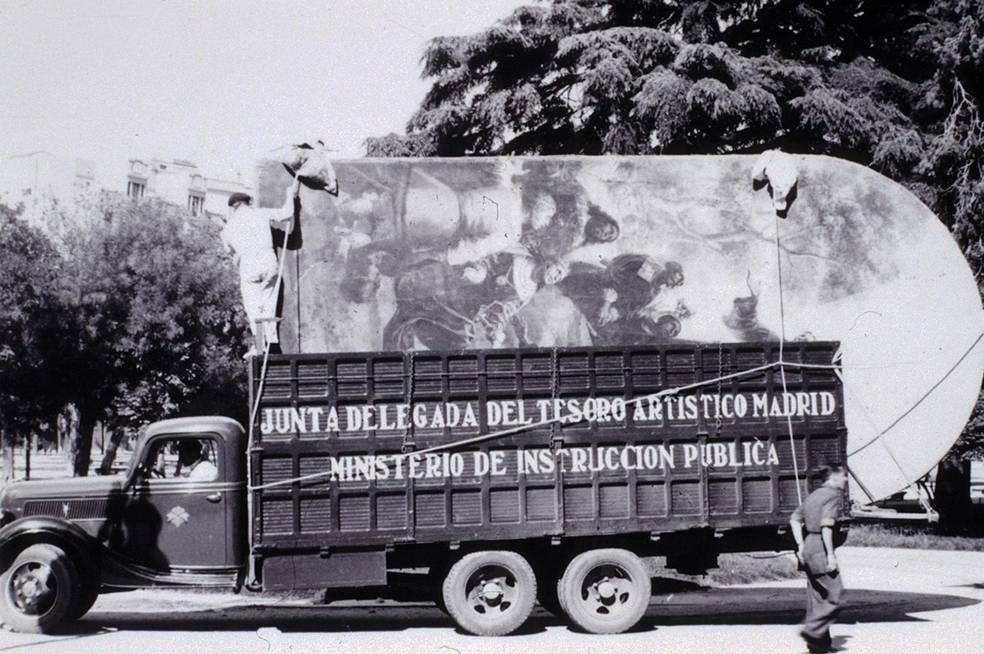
(732, 606)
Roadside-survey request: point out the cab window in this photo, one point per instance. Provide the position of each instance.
(189, 458)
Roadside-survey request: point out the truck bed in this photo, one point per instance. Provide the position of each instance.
(427, 447)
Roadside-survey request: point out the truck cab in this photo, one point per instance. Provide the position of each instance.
(175, 517)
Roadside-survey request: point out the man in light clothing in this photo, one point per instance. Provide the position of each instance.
(193, 459)
(248, 237)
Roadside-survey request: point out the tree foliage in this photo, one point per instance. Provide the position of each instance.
(29, 273)
(138, 319)
(898, 89)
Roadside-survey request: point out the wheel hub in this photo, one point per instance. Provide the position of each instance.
(492, 593)
(606, 590)
(29, 587)
(491, 589)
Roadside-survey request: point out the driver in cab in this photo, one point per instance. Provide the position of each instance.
(193, 463)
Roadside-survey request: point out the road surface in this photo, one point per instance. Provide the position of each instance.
(899, 601)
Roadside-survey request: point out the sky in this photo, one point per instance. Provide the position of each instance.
(218, 83)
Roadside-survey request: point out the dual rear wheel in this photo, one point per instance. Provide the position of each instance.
(491, 593)
(605, 591)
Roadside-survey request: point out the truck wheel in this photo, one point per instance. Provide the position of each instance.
(39, 590)
(605, 591)
(87, 597)
(435, 587)
(490, 593)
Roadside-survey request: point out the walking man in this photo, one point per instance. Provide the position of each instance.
(813, 524)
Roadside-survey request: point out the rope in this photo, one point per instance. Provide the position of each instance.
(782, 368)
(925, 395)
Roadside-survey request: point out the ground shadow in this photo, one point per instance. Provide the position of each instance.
(720, 606)
(786, 606)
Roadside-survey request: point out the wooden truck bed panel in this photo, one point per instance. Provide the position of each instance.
(700, 457)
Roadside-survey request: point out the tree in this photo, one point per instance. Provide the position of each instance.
(899, 90)
(29, 305)
(154, 324)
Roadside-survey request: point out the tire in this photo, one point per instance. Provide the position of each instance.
(490, 593)
(40, 590)
(435, 587)
(87, 597)
(605, 591)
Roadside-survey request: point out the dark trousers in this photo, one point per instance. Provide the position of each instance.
(824, 596)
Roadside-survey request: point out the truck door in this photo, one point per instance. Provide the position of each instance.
(175, 513)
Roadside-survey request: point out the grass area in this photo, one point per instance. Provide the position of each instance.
(765, 566)
(752, 567)
(921, 537)
(742, 568)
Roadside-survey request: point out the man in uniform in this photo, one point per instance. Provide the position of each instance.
(247, 235)
(813, 524)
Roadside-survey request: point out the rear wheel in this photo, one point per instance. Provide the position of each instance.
(490, 593)
(40, 590)
(605, 591)
(435, 586)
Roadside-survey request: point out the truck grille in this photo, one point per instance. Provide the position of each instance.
(68, 509)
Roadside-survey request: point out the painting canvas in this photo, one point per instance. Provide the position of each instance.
(450, 254)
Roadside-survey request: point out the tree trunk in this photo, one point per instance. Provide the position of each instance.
(109, 456)
(82, 443)
(952, 495)
(7, 455)
(27, 455)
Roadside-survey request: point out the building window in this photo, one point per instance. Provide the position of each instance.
(196, 205)
(135, 190)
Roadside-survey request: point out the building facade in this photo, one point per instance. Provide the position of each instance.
(180, 182)
(36, 178)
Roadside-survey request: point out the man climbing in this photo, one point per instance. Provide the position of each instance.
(248, 237)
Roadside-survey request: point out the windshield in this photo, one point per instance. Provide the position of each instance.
(135, 459)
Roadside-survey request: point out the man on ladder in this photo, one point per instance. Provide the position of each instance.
(248, 237)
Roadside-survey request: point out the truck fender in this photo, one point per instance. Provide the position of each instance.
(14, 537)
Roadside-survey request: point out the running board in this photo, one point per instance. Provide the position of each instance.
(118, 573)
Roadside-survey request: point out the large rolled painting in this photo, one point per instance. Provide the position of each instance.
(448, 254)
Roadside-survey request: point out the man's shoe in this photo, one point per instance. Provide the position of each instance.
(817, 645)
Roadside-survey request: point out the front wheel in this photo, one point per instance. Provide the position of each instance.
(605, 591)
(490, 593)
(88, 595)
(40, 590)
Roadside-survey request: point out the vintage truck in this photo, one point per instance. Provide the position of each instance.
(479, 479)
(511, 378)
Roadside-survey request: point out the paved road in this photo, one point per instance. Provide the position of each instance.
(900, 601)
